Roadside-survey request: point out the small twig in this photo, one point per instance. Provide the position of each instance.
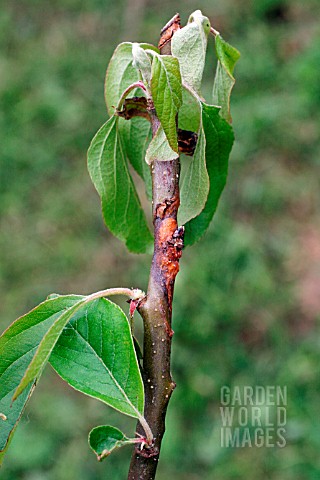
(167, 33)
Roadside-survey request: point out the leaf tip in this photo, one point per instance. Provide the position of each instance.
(104, 454)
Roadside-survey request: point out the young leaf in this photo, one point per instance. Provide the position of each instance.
(166, 92)
(195, 186)
(159, 148)
(142, 62)
(135, 133)
(95, 355)
(18, 346)
(121, 73)
(121, 207)
(219, 140)
(224, 80)
(105, 439)
(189, 45)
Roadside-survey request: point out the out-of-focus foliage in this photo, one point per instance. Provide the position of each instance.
(247, 297)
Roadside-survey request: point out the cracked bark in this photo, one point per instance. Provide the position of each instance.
(156, 308)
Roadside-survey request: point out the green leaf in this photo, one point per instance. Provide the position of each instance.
(120, 74)
(195, 185)
(109, 172)
(11, 434)
(227, 54)
(159, 148)
(45, 347)
(224, 80)
(19, 345)
(166, 90)
(189, 46)
(95, 355)
(105, 439)
(219, 139)
(142, 62)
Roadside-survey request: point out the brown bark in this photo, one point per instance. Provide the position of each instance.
(156, 308)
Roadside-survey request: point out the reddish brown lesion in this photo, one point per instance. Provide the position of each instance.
(168, 247)
(167, 32)
(168, 208)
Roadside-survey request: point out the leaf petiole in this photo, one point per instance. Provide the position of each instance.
(147, 429)
(214, 32)
(132, 293)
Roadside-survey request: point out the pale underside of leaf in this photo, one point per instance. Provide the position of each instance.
(95, 355)
(224, 80)
(142, 62)
(222, 87)
(159, 148)
(195, 186)
(190, 112)
(121, 73)
(189, 45)
(135, 133)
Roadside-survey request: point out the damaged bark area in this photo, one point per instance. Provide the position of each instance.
(166, 34)
(156, 307)
(168, 244)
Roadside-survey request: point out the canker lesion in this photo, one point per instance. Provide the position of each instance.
(168, 250)
(167, 33)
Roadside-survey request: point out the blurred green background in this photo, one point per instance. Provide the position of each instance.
(247, 301)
